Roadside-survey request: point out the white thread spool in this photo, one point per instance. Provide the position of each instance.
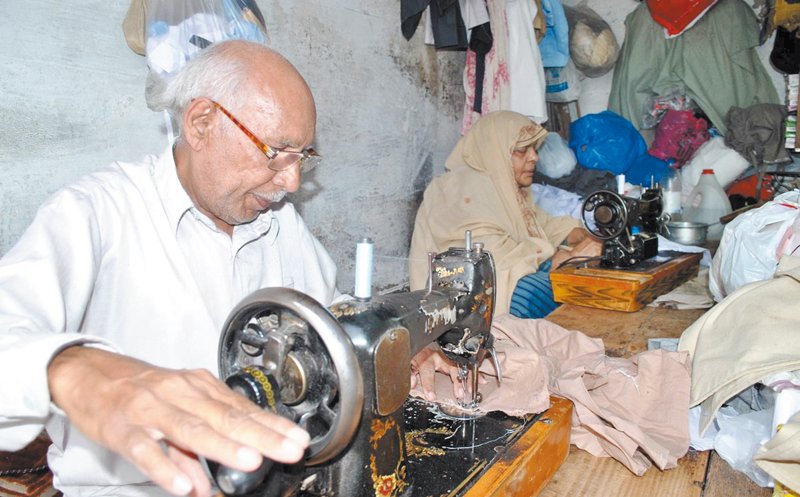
(363, 284)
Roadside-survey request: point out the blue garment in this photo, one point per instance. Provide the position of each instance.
(554, 47)
(533, 296)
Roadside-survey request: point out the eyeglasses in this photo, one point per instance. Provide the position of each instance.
(278, 159)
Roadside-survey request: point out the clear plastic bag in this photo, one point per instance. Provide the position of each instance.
(177, 30)
(556, 159)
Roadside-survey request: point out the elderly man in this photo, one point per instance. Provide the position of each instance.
(124, 279)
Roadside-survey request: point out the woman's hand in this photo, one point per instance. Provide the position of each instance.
(582, 244)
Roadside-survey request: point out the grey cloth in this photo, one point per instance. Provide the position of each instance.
(757, 133)
(581, 180)
(714, 61)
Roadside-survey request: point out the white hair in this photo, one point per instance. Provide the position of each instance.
(216, 72)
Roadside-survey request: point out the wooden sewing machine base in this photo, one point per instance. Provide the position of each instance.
(627, 289)
(491, 455)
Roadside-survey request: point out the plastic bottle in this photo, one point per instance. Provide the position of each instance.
(707, 203)
(672, 191)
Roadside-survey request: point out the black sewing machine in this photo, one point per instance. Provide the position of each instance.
(627, 226)
(343, 373)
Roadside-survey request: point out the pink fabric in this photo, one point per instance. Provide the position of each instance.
(496, 91)
(634, 410)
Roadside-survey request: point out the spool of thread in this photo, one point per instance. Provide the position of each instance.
(363, 284)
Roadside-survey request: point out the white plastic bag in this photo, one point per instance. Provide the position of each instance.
(753, 243)
(740, 437)
(556, 159)
(562, 83)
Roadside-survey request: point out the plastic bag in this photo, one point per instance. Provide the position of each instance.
(657, 106)
(753, 243)
(562, 83)
(606, 141)
(177, 30)
(592, 45)
(556, 159)
(739, 438)
(679, 135)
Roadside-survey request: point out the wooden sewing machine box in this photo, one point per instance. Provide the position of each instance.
(628, 289)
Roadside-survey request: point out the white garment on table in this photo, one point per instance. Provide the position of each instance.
(525, 70)
(122, 258)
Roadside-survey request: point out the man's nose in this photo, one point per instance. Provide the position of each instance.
(289, 178)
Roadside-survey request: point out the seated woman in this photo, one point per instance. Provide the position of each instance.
(486, 189)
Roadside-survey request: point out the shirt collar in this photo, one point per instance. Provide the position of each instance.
(177, 202)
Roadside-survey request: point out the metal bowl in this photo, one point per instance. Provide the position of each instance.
(686, 232)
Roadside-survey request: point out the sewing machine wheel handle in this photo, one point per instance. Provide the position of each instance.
(345, 417)
(610, 214)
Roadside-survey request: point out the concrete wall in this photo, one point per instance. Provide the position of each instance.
(389, 111)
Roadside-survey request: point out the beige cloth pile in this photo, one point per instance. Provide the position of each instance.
(634, 410)
(752, 334)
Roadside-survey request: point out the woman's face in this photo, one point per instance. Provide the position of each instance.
(523, 162)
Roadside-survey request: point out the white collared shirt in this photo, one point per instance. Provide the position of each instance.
(124, 260)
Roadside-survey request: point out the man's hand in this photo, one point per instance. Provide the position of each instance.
(424, 366)
(161, 419)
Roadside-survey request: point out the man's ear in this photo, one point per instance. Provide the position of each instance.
(198, 121)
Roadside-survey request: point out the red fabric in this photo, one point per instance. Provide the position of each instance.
(678, 135)
(676, 15)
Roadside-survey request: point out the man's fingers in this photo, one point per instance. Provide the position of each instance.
(193, 469)
(148, 455)
(234, 438)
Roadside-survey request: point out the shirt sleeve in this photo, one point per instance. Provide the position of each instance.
(46, 281)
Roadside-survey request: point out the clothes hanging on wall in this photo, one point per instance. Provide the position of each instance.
(473, 14)
(715, 61)
(555, 44)
(514, 76)
(449, 31)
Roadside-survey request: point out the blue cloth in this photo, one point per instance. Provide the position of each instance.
(533, 296)
(554, 47)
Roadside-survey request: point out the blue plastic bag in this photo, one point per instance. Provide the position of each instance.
(606, 141)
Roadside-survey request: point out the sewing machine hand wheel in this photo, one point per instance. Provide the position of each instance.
(609, 214)
(295, 341)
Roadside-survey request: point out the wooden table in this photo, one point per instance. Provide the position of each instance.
(699, 474)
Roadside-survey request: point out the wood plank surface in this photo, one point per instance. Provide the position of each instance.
(699, 474)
